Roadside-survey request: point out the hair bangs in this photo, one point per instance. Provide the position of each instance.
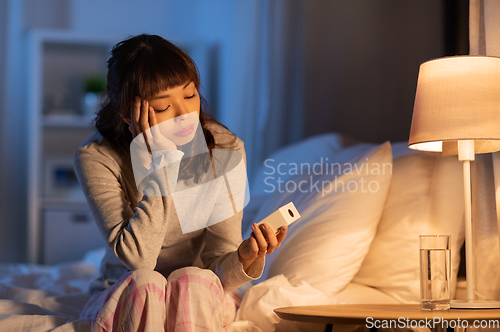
(153, 74)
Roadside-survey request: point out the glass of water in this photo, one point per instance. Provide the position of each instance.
(435, 272)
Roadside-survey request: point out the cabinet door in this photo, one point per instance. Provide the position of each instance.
(68, 234)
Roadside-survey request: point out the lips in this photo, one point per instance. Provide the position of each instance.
(186, 131)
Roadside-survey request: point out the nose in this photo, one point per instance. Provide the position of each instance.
(181, 117)
(181, 111)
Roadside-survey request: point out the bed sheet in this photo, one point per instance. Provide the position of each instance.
(50, 298)
(44, 298)
(39, 298)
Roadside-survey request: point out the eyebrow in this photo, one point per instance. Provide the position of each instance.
(166, 96)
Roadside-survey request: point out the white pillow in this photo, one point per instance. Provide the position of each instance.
(326, 246)
(309, 150)
(281, 166)
(425, 197)
(361, 294)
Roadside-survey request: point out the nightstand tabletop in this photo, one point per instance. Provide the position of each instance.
(360, 313)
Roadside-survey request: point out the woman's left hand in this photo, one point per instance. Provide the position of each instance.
(261, 242)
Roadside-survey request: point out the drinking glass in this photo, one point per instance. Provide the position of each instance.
(435, 272)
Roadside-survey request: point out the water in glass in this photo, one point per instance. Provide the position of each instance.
(435, 279)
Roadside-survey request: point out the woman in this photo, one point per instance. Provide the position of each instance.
(153, 142)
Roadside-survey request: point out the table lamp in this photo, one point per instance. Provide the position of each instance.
(457, 111)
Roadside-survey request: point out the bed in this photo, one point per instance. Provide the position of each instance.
(362, 206)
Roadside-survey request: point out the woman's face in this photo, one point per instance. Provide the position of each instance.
(177, 112)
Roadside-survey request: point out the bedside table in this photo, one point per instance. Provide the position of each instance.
(374, 316)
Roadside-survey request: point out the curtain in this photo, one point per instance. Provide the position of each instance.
(284, 123)
(267, 106)
(484, 39)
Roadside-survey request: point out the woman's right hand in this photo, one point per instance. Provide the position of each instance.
(143, 121)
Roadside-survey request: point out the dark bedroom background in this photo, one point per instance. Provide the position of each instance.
(279, 71)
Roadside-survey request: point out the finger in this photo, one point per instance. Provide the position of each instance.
(144, 121)
(269, 234)
(261, 240)
(136, 114)
(282, 231)
(152, 117)
(153, 121)
(249, 249)
(253, 246)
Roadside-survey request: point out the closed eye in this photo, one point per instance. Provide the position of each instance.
(192, 96)
(163, 110)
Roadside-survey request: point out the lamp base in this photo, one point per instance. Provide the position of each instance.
(475, 304)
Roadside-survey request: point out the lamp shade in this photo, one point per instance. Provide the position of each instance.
(457, 98)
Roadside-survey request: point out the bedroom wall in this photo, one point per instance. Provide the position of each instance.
(361, 64)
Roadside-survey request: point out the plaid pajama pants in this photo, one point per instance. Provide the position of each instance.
(191, 299)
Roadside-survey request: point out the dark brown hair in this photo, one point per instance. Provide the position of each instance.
(143, 66)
